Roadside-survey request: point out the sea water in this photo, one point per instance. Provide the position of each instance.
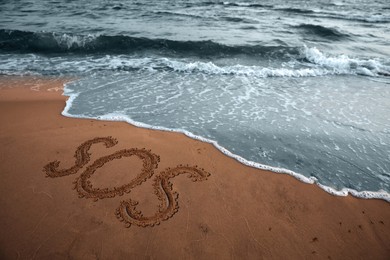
(296, 87)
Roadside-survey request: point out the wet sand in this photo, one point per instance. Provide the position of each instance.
(87, 189)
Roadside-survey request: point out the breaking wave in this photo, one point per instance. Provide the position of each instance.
(52, 43)
(308, 62)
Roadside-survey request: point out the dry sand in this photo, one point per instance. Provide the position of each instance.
(235, 212)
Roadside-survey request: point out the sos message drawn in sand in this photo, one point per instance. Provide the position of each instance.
(127, 211)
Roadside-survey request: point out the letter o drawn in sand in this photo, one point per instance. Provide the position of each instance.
(85, 189)
(127, 211)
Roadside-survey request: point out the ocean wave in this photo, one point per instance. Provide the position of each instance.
(325, 65)
(295, 10)
(102, 52)
(241, 70)
(367, 19)
(374, 18)
(310, 62)
(339, 15)
(322, 31)
(48, 43)
(343, 64)
(239, 20)
(235, 4)
(240, 4)
(35, 64)
(171, 13)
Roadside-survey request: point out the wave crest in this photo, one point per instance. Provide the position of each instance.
(322, 31)
(310, 63)
(345, 65)
(41, 42)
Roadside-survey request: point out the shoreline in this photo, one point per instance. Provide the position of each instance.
(238, 212)
(383, 195)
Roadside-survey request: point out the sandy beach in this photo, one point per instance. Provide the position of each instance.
(87, 189)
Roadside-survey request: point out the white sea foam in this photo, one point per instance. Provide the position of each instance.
(310, 180)
(74, 40)
(241, 70)
(343, 64)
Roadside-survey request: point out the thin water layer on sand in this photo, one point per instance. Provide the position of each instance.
(335, 134)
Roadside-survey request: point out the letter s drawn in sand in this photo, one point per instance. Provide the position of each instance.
(168, 198)
(82, 156)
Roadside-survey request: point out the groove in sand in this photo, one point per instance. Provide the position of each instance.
(127, 211)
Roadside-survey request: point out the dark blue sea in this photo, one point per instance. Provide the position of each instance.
(296, 87)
